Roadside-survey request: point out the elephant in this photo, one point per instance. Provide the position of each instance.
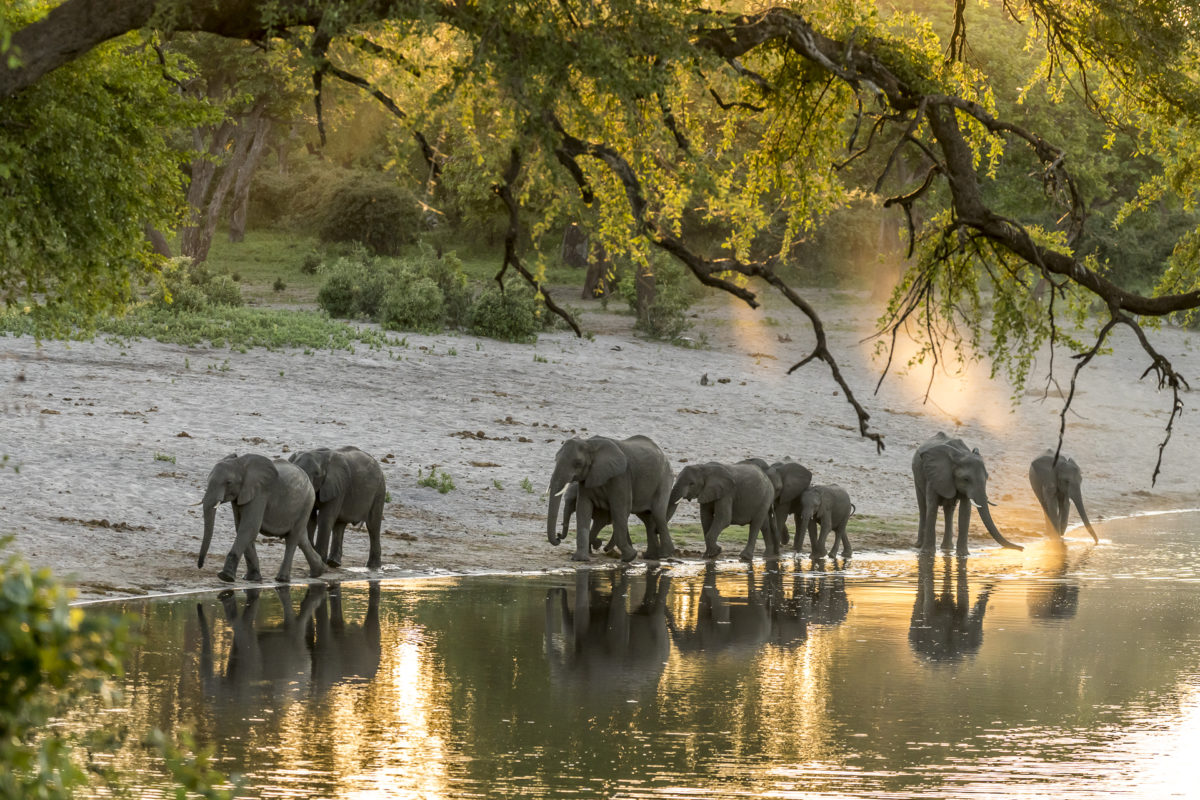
(617, 478)
(270, 497)
(1057, 485)
(350, 489)
(737, 494)
(829, 507)
(794, 479)
(601, 646)
(945, 626)
(946, 473)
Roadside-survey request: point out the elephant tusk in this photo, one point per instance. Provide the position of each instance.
(564, 490)
(197, 503)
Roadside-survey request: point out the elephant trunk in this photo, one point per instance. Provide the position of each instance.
(985, 514)
(210, 517)
(677, 493)
(1077, 499)
(558, 484)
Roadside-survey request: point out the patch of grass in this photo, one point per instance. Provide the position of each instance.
(164, 457)
(540, 359)
(527, 485)
(497, 484)
(436, 480)
(265, 256)
(238, 328)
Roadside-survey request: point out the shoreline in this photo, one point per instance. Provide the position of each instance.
(114, 440)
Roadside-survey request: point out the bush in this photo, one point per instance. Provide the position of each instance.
(371, 209)
(190, 286)
(414, 303)
(511, 315)
(420, 292)
(674, 292)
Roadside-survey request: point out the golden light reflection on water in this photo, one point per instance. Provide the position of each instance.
(995, 676)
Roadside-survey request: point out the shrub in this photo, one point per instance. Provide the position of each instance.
(511, 315)
(413, 303)
(371, 209)
(674, 292)
(190, 286)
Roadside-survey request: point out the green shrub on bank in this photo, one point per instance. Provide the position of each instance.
(512, 315)
(191, 286)
(674, 292)
(426, 293)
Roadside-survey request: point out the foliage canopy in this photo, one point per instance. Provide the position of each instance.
(725, 138)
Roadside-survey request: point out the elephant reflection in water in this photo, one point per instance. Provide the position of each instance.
(945, 625)
(599, 643)
(821, 594)
(305, 653)
(1056, 598)
(731, 623)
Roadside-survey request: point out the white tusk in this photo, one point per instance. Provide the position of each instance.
(564, 490)
(977, 505)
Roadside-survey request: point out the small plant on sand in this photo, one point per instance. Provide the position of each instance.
(497, 484)
(436, 480)
(164, 457)
(527, 485)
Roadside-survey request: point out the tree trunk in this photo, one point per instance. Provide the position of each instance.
(596, 283)
(575, 247)
(646, 292)
(245, 173)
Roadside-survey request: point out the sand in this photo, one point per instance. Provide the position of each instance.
(109, 444)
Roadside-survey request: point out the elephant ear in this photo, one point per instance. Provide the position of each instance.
(337, 477)
(608, 461)
(717, 484)
(259, 474)
(937, 465)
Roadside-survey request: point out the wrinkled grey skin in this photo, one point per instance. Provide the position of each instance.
(794, 479)
(945, 626)
(350, 489)
(827, 508)
(270, 497)
(947, 474)
(729, 494)
(1057, 485)
(617, 478)
(600, 520)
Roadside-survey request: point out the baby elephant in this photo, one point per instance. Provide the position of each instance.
(737, 494)
(1057, 484)
(270, 497)
(831, 507)
(350, 489)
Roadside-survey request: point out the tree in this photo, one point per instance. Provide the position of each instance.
(656, 112)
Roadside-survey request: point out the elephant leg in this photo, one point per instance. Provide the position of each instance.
(374, 527)
(747, 553)
(928, 535)
(335, 545)
(819, 550)
(948, 513)
(922, 503)
(846, 551)
(249, 520)
(964, 525)
(583, 528)
(297, 538)
(312, 528)
(324, 524)
(815, 548)
(252, 570)
(666, 546)
(722, 513)
(652, 550)
(620, 523)
(1064, 510)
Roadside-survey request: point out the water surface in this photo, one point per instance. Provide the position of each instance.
(1058, 672)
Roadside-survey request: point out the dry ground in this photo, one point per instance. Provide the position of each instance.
(112, 443)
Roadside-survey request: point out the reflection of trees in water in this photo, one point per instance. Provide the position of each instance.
(598, 643)
(945, 625)
(1056, 597)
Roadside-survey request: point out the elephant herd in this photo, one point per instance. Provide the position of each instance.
(310, 498)
(605, 480)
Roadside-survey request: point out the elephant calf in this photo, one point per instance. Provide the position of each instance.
(828, 507)
(738, 494)
(1057, 484)
(270, 497)
(350, 489)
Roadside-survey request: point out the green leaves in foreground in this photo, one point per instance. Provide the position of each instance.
(236, 327)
